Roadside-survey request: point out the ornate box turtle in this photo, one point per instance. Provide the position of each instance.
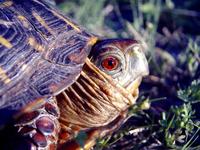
(57, 79)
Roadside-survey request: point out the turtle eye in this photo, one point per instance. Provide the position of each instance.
(110, 63)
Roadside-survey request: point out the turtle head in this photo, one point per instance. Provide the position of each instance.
(122, 59)
(107, 85)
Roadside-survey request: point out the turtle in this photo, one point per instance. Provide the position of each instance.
(59, 81)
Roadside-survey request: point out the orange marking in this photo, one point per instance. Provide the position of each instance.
(42, 21)
(6, 4)
(4, 77)
(31, 41)
(92, 40)
(67, 21)
(23, 20)
(35, 45)
(5, 42)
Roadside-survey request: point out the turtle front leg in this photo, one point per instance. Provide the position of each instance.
(39, 129)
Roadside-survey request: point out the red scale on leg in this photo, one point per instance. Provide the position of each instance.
(25, 130)
(27, 117)
(40, 140)
(45, 125)
(51, 109)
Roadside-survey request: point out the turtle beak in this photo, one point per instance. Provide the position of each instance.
(138, 61)
(138, 66)
(133, 87)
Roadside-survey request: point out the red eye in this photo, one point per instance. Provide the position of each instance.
(110, 63)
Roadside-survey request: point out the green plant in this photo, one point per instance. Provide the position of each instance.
(190, 57)
(179, 124)
(191, 94)
(173, 128)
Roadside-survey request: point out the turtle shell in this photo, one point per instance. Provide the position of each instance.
(41, 53)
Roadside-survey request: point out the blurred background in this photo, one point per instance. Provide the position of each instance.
(167, 114)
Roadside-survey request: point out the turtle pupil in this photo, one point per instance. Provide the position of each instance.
(110, 62)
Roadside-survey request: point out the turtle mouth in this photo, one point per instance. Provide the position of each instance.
(95, 99)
